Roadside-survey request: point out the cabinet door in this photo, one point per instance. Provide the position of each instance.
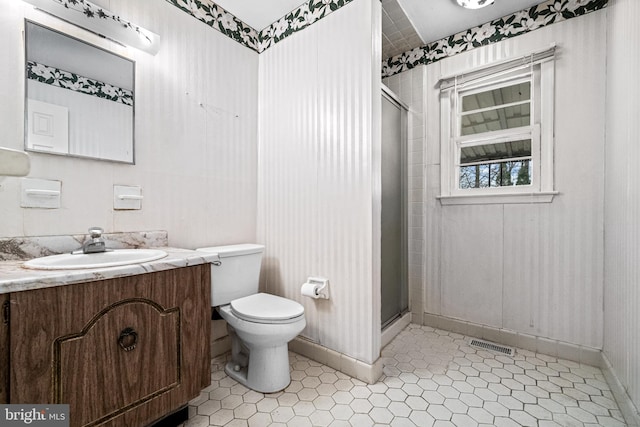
(4, 351)
(120, 351)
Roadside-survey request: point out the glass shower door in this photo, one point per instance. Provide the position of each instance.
(394, 288)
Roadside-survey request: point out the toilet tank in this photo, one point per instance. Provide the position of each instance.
(237, 275)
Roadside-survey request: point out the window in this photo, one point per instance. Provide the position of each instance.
(497, 133)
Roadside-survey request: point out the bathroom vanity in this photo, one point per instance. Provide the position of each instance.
(122, 346)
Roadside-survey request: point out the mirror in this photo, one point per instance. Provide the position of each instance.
(79, 97)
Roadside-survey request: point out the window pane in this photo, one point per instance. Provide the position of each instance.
(501, 150)
(496, 97)
(497, 119)
(495, 115)
(499, 174)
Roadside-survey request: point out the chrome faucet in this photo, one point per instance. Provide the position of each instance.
(95, 242)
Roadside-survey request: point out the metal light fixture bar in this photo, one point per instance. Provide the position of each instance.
(100, 21)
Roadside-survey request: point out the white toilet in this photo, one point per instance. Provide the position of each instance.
(260, 325)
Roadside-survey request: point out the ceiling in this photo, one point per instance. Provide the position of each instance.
(406, 24)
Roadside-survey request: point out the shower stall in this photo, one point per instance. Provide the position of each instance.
(394, 282)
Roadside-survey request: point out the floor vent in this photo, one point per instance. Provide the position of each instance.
(492, 346)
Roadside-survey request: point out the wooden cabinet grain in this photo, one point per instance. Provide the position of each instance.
(4, 349)
(123, 351)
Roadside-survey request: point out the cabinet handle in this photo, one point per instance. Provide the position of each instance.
(128, 339)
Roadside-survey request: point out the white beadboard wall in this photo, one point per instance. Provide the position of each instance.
(535, 269)
(409, 87)
(319, 174)
(622, 197)
(195, 137)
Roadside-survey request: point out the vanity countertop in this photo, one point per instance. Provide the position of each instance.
(14, 277)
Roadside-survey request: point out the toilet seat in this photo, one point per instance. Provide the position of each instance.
(266, 308)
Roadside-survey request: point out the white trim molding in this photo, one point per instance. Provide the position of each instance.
(489, 199)
(629, 410)
(338, 361)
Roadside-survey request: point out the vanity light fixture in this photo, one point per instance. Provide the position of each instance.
(474, 4)
(100, 21)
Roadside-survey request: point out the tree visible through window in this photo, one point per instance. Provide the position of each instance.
(483, 167)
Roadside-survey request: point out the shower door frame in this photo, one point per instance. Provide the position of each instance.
(404, 275)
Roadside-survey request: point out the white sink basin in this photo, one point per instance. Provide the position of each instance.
(111, 258)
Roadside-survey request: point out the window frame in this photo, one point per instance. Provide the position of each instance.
(540, 131)
(532, 134)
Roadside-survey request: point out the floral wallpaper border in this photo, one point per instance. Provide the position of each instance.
(298, 19)
(219, 19)
(67, 80)
(210, 13)
(546, 13)
(513, 25)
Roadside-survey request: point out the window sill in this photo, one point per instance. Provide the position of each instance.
(492, 199)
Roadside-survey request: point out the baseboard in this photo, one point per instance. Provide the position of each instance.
(626, 405)
(338, 361)
(220, 346)
(390, 332)
(563, 350)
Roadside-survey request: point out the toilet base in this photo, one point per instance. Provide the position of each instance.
(266, 372)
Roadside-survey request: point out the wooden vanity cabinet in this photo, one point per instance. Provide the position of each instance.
(120, 352)
(4, 349)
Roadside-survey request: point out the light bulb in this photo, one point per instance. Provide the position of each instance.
(474, 4)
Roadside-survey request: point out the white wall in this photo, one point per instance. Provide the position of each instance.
(197, 164)
(319, 195)
(536, 269)
(622, 200)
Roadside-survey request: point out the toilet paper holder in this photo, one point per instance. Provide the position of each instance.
(316, 287)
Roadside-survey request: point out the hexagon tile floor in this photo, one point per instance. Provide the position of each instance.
(431, 378)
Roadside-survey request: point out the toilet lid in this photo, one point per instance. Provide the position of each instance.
(266, 308)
